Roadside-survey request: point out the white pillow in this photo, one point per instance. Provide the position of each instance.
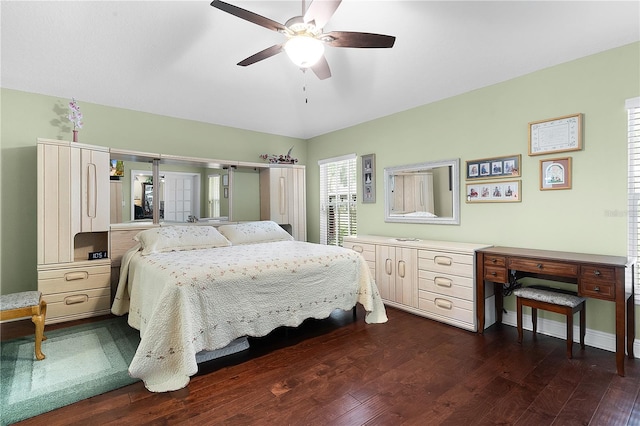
(254, 232)
(176, 238)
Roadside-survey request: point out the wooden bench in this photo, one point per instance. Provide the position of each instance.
(24, 304)
(553, 300)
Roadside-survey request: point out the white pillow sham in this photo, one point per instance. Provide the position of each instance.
(176, 238)
(254, 232)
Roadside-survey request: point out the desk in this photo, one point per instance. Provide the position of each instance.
(597, 277)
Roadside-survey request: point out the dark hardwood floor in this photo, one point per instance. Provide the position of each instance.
(409, 371)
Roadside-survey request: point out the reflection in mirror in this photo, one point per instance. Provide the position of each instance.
(186, 188)
(423, 193)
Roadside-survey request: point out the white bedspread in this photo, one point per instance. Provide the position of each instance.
(186, 301)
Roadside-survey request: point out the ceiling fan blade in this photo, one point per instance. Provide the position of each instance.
(248, 16)
(264, 54)
(321, 11)
(321, 68)
(353, 39)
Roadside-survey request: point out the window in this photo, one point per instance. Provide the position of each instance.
(633, 107)
(337, 199)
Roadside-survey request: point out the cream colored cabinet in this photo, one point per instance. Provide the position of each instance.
(396, 271)
(434, 279)
(368, 252)
(73, 221)
(283, 198)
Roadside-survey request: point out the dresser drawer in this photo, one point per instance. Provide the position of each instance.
(448, 263)
(449, 307)
(544, 267)
(73, 279)
(447, 285)
(368, 251)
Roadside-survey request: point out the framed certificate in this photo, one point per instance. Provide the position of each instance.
(559, 134)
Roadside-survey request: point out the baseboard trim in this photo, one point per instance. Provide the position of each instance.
(594, 338)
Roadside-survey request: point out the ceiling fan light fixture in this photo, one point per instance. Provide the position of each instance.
(304, 51)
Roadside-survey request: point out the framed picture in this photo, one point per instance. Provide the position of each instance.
(116, 168)
(555, 173)
(225, 180)
(369, 178)
(494, 192)
(490, 168)
(226, 192)
(559, 134)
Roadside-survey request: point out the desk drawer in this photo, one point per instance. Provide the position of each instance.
(492, 260)
(544, 267)
(597, 282)
(495, 274)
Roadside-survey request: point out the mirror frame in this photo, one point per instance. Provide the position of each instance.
(455, 189)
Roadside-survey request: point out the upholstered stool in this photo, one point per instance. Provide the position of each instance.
(553, 300)
(24, 304)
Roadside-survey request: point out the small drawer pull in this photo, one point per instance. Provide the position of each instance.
(494, 260)
(443, 282)
(74, 300)
(358, 249)
(73, 276)
(444, 304)
(494, 274)
(442, 260)
(596, 288)
(596, 273)
(539, 266)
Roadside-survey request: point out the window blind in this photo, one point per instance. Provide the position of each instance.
(633, 108)
(337, 199)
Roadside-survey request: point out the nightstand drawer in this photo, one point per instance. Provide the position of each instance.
(78, 304)
(544, 267)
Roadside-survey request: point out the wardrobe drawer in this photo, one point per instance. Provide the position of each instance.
(80, 304)
(447, 285)
(73, 279)
(448, 263)
(450, 307)
(544, 267)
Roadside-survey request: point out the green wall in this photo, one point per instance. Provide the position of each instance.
(488, 122)
(493, 122)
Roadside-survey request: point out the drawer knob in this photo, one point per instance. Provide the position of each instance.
(539, 266)
(494, 260)
(596, 288)
(596, 272)
(494, 274)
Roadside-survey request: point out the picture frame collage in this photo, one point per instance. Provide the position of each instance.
(502, 188)
(369, 178)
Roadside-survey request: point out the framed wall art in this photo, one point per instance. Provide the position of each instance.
(555, 173)
(369, 178)
(559, 134)
(491, 168)
(494, 192)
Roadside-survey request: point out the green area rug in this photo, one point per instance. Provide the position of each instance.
(81, 362)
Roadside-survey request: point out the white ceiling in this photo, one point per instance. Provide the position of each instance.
(178, 58)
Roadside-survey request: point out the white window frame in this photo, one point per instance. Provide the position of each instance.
(633, 108)
(345, 197)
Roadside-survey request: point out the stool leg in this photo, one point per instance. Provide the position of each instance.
(38, 320)
(519, 319)
(534, 318)
(570, 334)
(583, 323)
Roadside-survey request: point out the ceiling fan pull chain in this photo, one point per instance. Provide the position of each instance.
(304, 85)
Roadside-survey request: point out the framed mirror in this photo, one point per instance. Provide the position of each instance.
(423, 193)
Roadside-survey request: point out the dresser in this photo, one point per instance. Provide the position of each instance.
(433, 279)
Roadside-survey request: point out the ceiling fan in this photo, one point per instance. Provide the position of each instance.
(305, 38)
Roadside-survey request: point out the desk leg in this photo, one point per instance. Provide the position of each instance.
(621, 320)
(631, 325)
(480, 292)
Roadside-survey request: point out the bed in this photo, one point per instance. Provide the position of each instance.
(194, 288)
